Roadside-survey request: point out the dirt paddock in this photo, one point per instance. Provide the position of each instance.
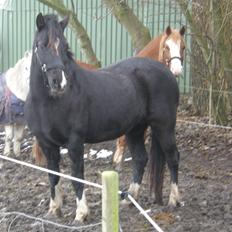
(205, 182)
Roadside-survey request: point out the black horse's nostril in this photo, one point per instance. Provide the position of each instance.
(55, 82)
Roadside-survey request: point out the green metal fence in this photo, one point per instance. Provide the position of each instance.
(109, 39)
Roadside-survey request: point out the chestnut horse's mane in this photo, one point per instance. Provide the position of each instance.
(85, 65)
(150, 50)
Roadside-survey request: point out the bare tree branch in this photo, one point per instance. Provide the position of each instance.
(139, 33)
(76, 26)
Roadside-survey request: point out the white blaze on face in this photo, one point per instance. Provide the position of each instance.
(57, 43)
(64, 81)
(175, 64)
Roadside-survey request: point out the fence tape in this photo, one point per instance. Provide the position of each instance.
(51, 172)
(18, 214)
(143, 212)
(205, 124)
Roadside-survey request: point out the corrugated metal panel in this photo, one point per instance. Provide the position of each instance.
(109, 39)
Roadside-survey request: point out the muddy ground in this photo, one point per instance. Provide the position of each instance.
(205, 181)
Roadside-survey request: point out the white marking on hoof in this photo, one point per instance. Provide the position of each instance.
(118, 156)
(125, 202)
(82, 208)
(8, 139)
(16, 147)
(174, 197)
(56, 203)
(7, 149)
(134, 190)
(18, 135)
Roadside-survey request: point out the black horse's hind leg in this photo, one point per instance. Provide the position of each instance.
(156, 168)
(53, 159)
(166, 137)
(76, 150)
(135, 141)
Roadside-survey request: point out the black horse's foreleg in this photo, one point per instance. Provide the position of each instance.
(53, 159)
(135, 141)
(76, 150)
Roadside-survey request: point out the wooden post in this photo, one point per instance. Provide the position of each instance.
(110, 202)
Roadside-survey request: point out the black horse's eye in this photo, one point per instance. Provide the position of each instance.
(40, 45)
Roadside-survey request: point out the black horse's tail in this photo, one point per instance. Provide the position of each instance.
(156, 168)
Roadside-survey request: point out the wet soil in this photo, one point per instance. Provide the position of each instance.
(205, 182)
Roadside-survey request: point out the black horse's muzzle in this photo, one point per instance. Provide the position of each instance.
(56, 81)
(53, 71)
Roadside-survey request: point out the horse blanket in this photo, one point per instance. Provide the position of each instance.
(11, 107)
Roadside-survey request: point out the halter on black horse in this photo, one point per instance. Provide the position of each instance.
(51, 65)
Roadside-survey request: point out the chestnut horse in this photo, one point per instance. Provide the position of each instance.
(168, 48)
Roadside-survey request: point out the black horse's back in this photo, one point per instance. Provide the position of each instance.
(155, 82)
(148, 73)
(114, 106)
(126, 94)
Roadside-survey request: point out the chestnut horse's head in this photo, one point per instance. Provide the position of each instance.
(172, 47)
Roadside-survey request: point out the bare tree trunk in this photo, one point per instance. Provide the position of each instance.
(139, 33)
(76, 26)
(210, 23)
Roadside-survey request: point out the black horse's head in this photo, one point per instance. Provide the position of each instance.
(51, 52)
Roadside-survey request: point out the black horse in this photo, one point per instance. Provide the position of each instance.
(68, 106)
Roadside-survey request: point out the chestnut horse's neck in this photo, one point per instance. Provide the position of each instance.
(85, 65)
(152, 49)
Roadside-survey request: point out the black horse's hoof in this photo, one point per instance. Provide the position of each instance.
(54, 214)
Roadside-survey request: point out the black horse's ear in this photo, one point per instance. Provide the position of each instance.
(182, 31)
(40, 21)
(64, 22)
(168, 30)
